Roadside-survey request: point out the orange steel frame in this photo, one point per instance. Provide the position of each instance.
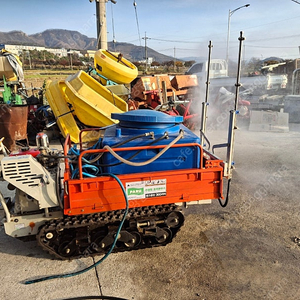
(100, 194)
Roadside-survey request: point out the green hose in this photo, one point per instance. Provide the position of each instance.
(105, 256)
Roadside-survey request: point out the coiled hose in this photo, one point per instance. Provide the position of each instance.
(144, 163)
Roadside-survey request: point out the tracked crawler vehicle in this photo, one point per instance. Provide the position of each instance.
(74, 201)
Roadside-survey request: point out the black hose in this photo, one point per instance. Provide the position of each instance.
(120, 144)
(95, 297)
(133, 138)
(227, 195)
(134, 155)
(205, 137)
(58, 187)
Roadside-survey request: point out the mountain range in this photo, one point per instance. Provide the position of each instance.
(68, 39)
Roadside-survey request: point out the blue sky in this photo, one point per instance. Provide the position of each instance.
(271, 27)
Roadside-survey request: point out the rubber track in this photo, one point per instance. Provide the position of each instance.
(101, 220)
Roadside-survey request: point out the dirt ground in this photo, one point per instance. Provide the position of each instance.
(243, 251)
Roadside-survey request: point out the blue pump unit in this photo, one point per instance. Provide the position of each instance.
(149, 128)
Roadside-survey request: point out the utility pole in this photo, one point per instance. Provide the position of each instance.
(174, 60)
(101, 23)
(146, 53)
(71, 59)
(29, 58)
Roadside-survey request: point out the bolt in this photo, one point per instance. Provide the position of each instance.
(102, 245)
(49, 235)
(68, 250)
(119, 236)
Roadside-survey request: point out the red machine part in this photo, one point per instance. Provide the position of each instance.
(147, 93)
(32, 152)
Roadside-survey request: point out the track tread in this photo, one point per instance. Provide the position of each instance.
(99, 221)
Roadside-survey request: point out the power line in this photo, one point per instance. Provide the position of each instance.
(199, 42)
(275, 22)
(132, 41)
(202, 37)
(113, 26)
(161, 50)
(146, 52)
(276, 38)
(254, 46)
(184, 49)
(175, 41)
(137, 21)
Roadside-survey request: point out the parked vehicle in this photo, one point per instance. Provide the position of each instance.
(218, 69)
(276, 81)
(224, 101)
(218, 74)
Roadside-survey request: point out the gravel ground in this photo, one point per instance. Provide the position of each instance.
(243, 251)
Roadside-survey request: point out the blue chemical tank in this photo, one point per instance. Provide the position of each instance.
(149, 128)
